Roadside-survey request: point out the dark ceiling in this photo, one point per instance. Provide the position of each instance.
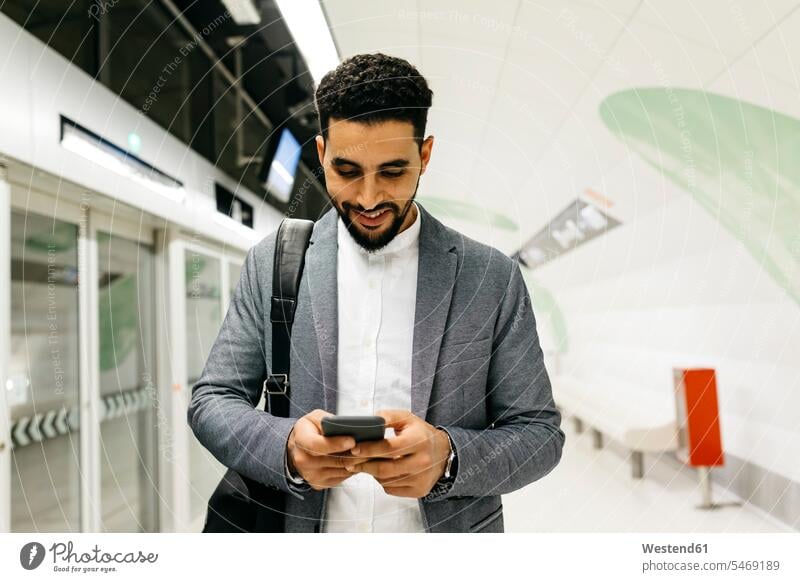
(275, 74)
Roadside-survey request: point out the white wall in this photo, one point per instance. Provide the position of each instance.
(670, 288)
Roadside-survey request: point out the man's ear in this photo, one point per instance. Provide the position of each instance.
(320, 148)
(425, 153)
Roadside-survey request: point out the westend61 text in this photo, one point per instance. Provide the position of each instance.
(671, 549)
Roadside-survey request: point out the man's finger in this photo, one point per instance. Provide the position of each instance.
(316, 416)
(316, 444)
(342, 461)
(384, 469)
(384, 450)
(403, 465)
(336, 474)
(337, 460)
(390, 448)
(396, 417)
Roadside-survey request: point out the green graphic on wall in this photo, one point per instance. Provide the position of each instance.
(738, 160)
(547, 311)
(444, 208)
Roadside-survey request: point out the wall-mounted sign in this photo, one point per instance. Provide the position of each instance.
(577, 224)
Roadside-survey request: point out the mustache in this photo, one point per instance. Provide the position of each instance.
(347, 207)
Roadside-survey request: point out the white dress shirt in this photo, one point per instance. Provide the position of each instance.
(377, 295)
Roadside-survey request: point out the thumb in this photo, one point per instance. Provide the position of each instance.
(396, 418)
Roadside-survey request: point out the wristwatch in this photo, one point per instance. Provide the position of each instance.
(448, 468)
(297, 480)
(447, 480)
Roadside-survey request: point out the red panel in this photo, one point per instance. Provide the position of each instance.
(702, 410)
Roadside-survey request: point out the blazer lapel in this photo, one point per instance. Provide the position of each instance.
(435, 279)
(322, 268)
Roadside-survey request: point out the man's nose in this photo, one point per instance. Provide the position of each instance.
(370, 193)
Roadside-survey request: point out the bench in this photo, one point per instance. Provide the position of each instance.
(640, 420)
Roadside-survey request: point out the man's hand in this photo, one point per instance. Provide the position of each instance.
(319, 459)
(408, 465)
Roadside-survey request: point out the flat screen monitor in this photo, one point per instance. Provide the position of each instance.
(282, 166)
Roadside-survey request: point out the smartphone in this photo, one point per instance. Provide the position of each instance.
(361, 428)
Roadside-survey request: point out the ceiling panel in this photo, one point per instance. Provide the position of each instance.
(477, 24)
(726, 27)
(648, 56)
(375, 26)
(778, 53)
(556, 47)
(748, 81)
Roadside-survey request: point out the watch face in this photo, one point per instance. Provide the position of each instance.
(449, 464)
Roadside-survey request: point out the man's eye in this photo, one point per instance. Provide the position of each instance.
(393, 174)
(347, 174)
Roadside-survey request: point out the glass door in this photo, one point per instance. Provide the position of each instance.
(203, 320)
(42, 388)
(128, 431)
(211, 278)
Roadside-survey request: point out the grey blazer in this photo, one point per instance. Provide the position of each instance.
(477, 370)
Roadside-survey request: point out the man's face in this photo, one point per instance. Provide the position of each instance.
(372, 173)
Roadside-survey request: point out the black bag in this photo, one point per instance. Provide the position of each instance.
(240, 504)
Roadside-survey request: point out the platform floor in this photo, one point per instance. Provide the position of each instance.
(592, 490)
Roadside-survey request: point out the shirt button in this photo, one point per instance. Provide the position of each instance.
(364, 527)
(373, 283)
(364, 403)
(367, 342)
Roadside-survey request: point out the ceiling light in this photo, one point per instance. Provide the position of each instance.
(311, 34)
(99, 150)
(242, 11)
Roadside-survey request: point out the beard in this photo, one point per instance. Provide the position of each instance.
(370, 240)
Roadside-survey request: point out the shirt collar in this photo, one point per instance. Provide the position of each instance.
(400, 242)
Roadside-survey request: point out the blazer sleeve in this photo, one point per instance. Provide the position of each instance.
(222, 411)
(525, 441)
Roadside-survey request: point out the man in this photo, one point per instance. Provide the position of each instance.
(397, 316)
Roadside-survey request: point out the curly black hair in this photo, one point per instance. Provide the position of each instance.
(374, 87)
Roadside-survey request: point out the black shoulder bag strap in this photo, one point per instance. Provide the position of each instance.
(287, 269)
